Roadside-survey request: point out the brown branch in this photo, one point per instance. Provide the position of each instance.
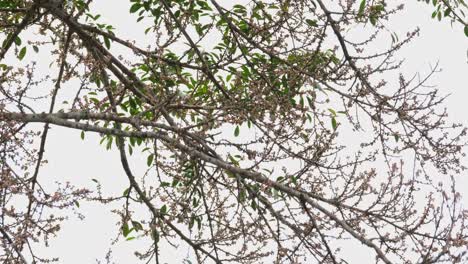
(255, 176)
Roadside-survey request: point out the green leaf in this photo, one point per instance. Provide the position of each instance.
(174, 183)
(233, 160)
(137, 225)
(22, 53)
(253, 204)
(130, 150)
(109, 142)
(107, 42)
(334, 124)
(135, 7)
(155, 235)
(165, 184)
(82, 135)
(17, 41)
(236, 131)
(126, 230)
(192, 221)
(230, 174)
(466, 31)
(362, 7)
(149, 160)
(312, 23)
(163, 209)
(447, 11)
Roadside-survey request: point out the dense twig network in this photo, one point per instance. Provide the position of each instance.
(243, 112)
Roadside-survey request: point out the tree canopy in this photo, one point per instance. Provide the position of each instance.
(273, 131)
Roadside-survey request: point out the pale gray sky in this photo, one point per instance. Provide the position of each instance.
(71, 159)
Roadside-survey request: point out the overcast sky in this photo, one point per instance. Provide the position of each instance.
(71, 159)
